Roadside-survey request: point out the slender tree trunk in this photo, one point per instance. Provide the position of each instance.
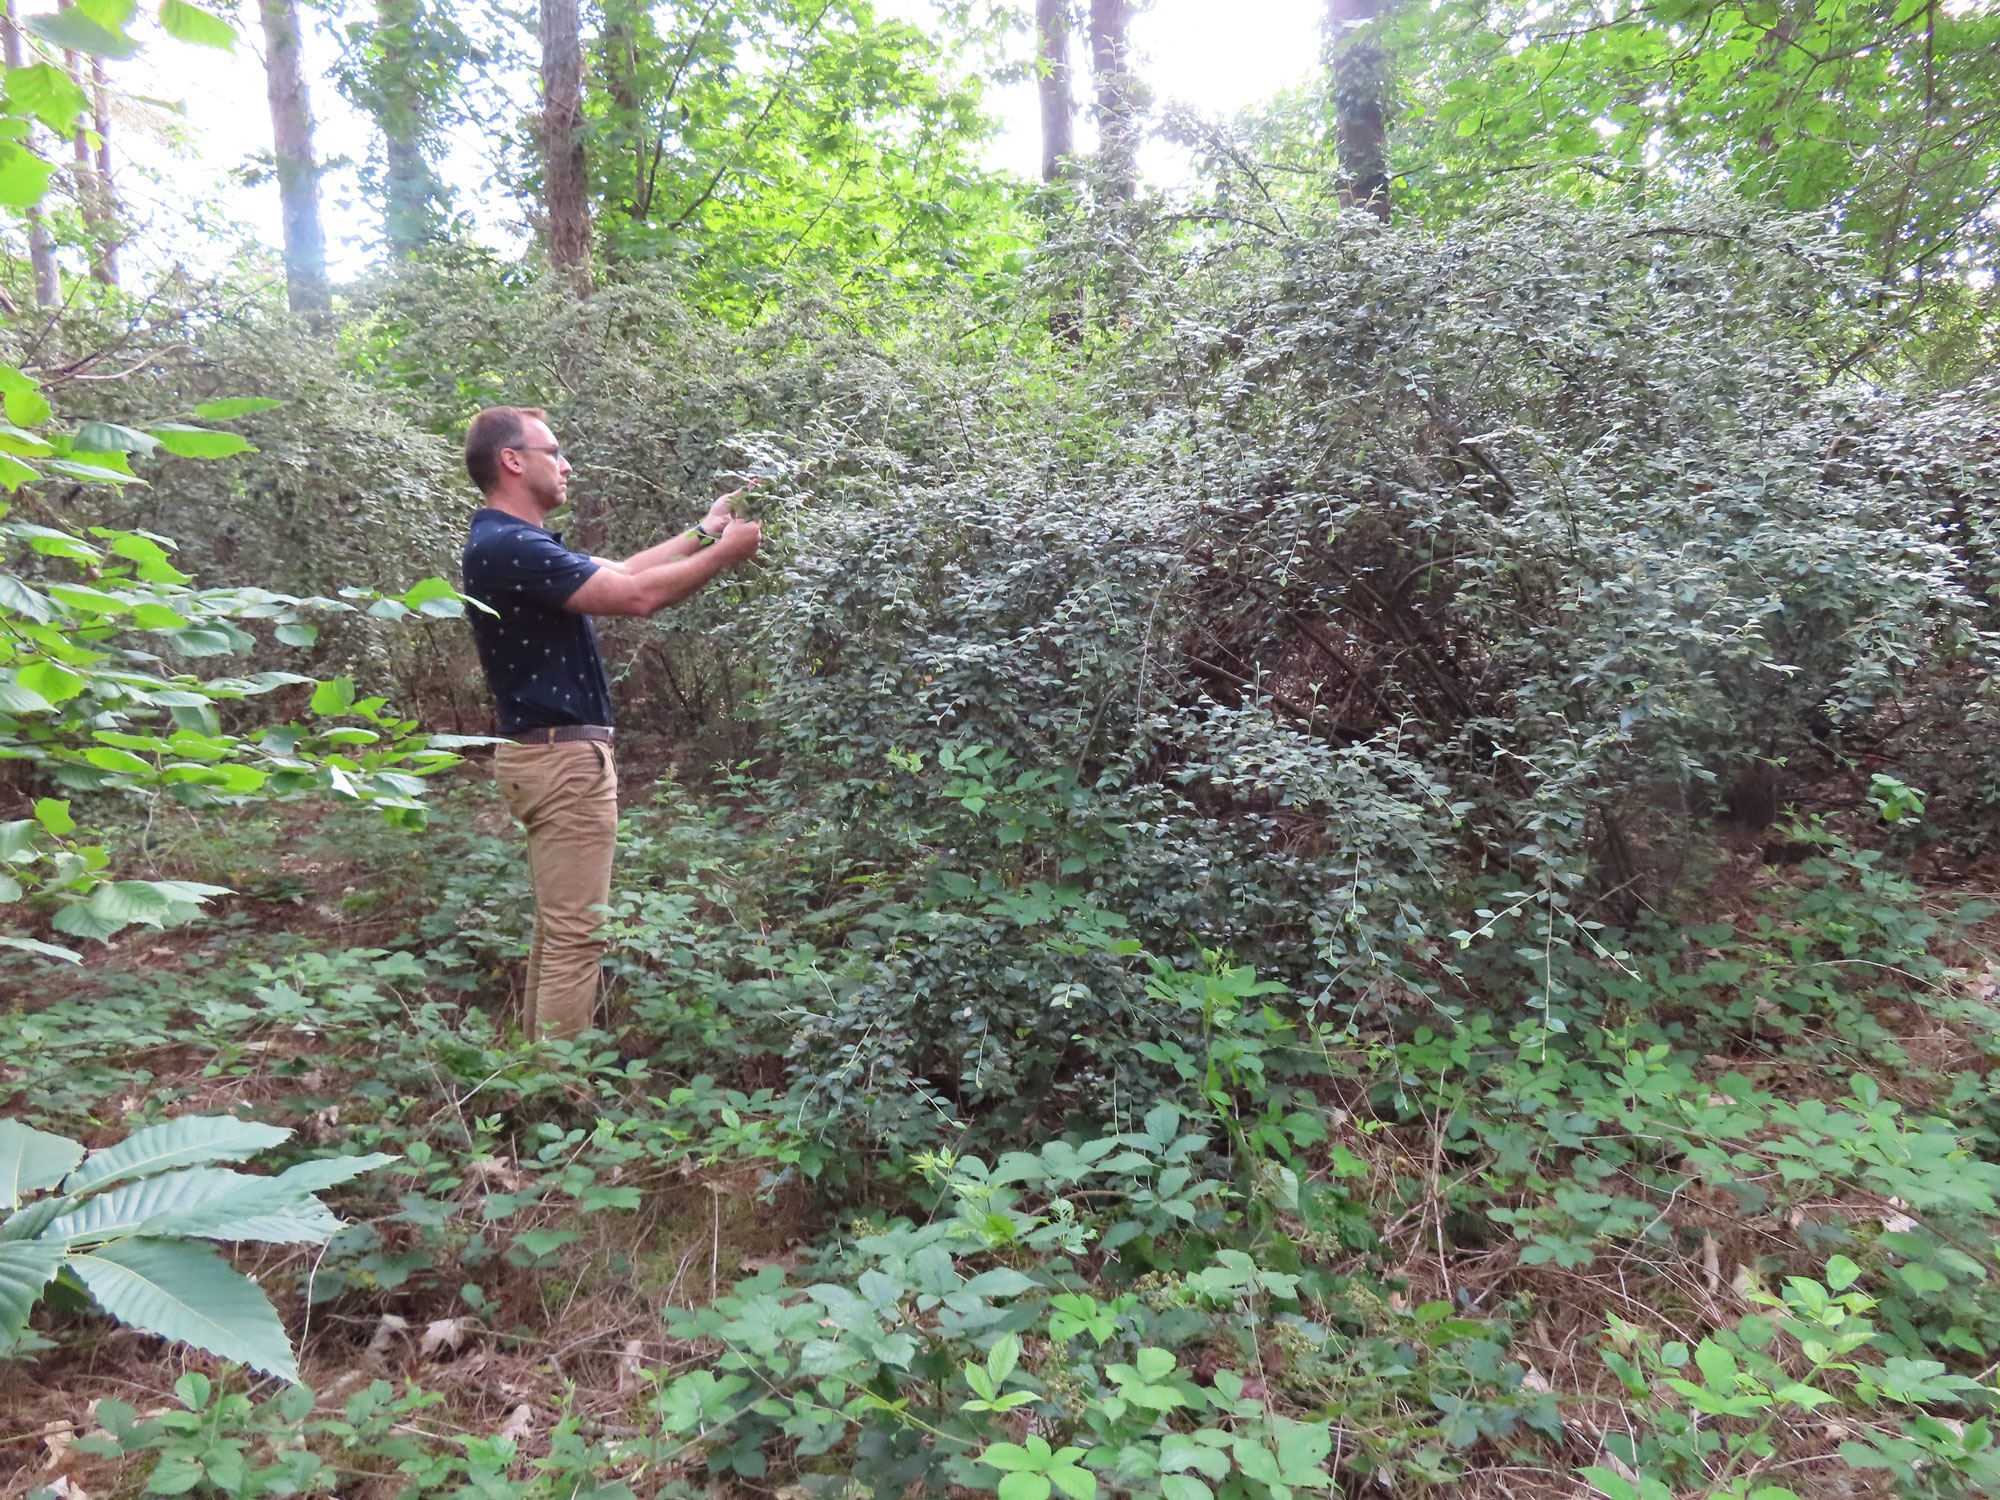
(406, 207)
(306, 288)
(107, 192)
(1110, 24)
(565, 173)
(83, 176)
(41, 257)
(618, 67)
(1052, 79)
(1360, 124)
(410, 189)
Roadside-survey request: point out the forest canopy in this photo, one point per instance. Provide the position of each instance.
(1341, 839)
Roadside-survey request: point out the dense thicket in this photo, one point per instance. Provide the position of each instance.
(1286, 876)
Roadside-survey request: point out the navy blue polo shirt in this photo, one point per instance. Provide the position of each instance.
(541, 661)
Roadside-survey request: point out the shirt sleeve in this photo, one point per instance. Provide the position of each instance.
(536, 567)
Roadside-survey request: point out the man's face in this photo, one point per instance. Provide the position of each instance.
(544, 470)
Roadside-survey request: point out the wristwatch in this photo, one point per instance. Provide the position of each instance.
(703, 536)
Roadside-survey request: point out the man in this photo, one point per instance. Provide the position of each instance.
(538, 649)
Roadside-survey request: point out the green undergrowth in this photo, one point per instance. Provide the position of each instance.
(1699, 1209)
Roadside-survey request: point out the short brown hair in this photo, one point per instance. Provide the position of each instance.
(493, 429)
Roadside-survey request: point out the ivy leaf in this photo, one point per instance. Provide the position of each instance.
(335, 696)
(28, 407)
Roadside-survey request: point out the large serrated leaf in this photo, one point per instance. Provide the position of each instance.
(28, 1223)
(128, 1209)
(210, 1203)
(187, 1292)
(309, 1222)
(188, 1141)
(25, 1268)
(270, 1204)
(31, 1160)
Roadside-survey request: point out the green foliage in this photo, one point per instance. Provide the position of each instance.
(1716, 1432)
(770, 145)
(43, 90)
(90, 702)
(224, 1443)
(125, 1224)
(1881, 114)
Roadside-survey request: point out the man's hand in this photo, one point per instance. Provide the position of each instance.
(739, 541)
(719, 515)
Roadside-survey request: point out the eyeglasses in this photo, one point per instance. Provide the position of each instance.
(554, 451)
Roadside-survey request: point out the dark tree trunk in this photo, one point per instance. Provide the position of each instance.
(41, 257)
(1110, 24)
(1360, 124)
(306, 288)
(565, 173)
(1052, 78)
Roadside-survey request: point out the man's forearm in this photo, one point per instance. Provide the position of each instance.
(676, 578)
(671, 550)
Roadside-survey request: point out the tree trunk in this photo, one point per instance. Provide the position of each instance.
(306, 288)
(1052, 79)
(1110, 23)
(107, 192)
(565, 173)
(1361, 132)
(41, 258)
(405, 116)
(83, 177)
(625, 132)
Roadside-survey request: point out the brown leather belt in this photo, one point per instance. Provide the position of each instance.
(560, 734)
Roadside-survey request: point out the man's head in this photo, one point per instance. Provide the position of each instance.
(512, 455)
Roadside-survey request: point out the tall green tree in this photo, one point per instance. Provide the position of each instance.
(403, 66)
(1053, 25)
(1117, 98)
(1886, 112)
(41, 253)
(767, 141)
(1356, 67)
(306, 287)
(565, 163)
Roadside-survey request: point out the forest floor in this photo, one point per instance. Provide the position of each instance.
(1506, 1282)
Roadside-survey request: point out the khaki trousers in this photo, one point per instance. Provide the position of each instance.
(566, 797)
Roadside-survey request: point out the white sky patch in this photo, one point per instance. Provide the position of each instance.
(1217, 56)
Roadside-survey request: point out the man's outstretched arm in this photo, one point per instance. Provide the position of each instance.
(686, 544)
(625, 588)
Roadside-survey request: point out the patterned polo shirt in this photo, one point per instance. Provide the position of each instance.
(541, 661)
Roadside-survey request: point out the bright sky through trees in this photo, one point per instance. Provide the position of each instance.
(1216, 55)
